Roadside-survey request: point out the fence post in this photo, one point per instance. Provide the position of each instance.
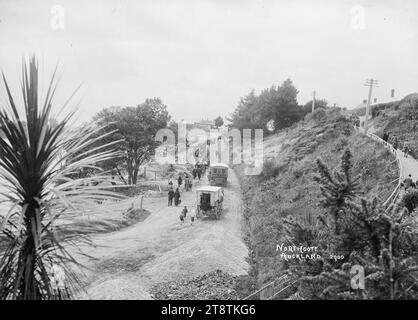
(395, 193)
(140, 204)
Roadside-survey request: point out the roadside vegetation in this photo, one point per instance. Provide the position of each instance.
(400, 118)
(283, 204)
(352, 234)
(39, 160)
(273, 109)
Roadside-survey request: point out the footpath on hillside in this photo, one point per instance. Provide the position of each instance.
(408, 165)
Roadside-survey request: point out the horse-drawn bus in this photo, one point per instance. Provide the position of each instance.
(209, 201)
(218, 174)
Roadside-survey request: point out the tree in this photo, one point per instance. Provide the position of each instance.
(244, 115)
(337, 189)
(319, 104)
(136, 127)
(382, 241)
(219, 122)
(38, 157)
(174, 127)
(276, 103)
(287, 110)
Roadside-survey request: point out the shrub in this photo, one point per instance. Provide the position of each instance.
(410, 200)
(270, 169)
(37, 154)
(289, 200)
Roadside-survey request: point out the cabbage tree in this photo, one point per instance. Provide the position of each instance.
(38, 159)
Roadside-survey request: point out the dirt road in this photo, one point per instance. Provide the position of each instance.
(161, 249)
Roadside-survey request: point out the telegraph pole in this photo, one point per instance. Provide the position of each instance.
(369, 83)
(313, 101)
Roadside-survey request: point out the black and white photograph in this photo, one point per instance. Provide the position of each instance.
(220, 152)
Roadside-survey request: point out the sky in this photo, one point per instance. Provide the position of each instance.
(201, 56)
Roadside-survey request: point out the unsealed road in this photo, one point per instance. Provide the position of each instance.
(161, 249)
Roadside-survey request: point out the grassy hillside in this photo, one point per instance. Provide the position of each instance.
(286, 186)
(399, 118)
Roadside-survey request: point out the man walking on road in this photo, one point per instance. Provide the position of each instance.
(184, 211)
(406, 148)
(408, 182)
(183, 214)
(170, 196)
(177, 197)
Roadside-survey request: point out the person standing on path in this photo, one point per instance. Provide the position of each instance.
(179, 181)
(177, 197)
(408, 182)
(184, 211)
(181, 218)
(170, 196)
(183, 214)
(406, 148)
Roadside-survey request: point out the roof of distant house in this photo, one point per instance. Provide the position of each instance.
(206, 122)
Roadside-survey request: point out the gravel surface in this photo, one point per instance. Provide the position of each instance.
(128, 263)
(215, 285)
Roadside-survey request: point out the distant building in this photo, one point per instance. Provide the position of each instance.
(204, 124)
(380, 100)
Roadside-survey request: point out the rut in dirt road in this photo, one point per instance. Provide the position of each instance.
(160, 249)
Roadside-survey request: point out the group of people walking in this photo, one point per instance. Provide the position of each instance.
(183, 215)
(174, 194)
(409, 183)
(199, 170)
(394, 141)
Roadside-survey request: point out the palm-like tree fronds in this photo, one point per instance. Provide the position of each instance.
(36, 164)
